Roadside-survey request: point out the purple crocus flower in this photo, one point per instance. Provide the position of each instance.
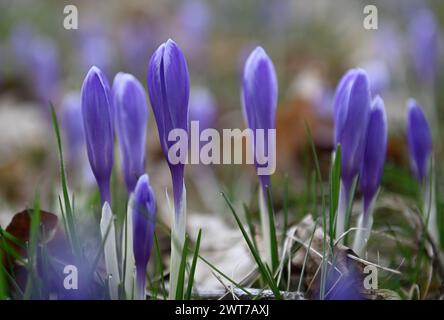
(423, 32)
(131, 111)
(259, 99)
(351, 110)
(98, 127)
(169, 90)
(144, 219)
(375, 151)
(419, 139)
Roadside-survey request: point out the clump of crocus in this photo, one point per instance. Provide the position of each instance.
(420, 146)
(169, 89)
(372, 168)
(351, 111)
(98, 127)
(259, 101)
(131, 112)
(143, 208)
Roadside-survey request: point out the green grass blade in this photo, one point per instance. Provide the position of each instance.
(160, 265)
(251, 229)
(237, 285)
(193, 267)
(335, 184)
(69, 213)
(273, 238)
(263, 270)
(182, 267)
(285, 208)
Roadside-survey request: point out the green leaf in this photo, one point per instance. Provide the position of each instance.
(70, 223)
(335, 185)
(262, 268)
(159, 265)
(193, 267)
(181, 276)
(273, 239)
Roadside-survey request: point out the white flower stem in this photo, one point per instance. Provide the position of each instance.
(177, 241)
(341, 211)
(429, 208)
(130, 262)
(364, 227)
(265, 225)
(109, 236)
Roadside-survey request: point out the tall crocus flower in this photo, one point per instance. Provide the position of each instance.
(259, 101)
(143, 221)
(169, 90)
(351, 109)
(98, 126)
(372, 168)
(420, 146)
(131, 112)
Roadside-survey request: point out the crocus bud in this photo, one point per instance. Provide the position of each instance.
(98, 126)
(131, 111)
(423, 32)
(259, 100)
(419, 139)
(169, 90)
(375, 151)
(351, 111)
(144, 218)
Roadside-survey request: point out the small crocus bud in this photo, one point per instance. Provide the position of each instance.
(351, 111)
(423, 32)
(375, 151)
(131, 111)
(259, 100)
(98, 126)
(419, 140)
(144, 219)
(169, 91)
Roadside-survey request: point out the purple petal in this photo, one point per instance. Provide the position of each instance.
(168, 88)
(375, 151)
(97, 123)
(419, 139)
(131, 110)
(351, 124)
(144, 220)
(259, 94)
